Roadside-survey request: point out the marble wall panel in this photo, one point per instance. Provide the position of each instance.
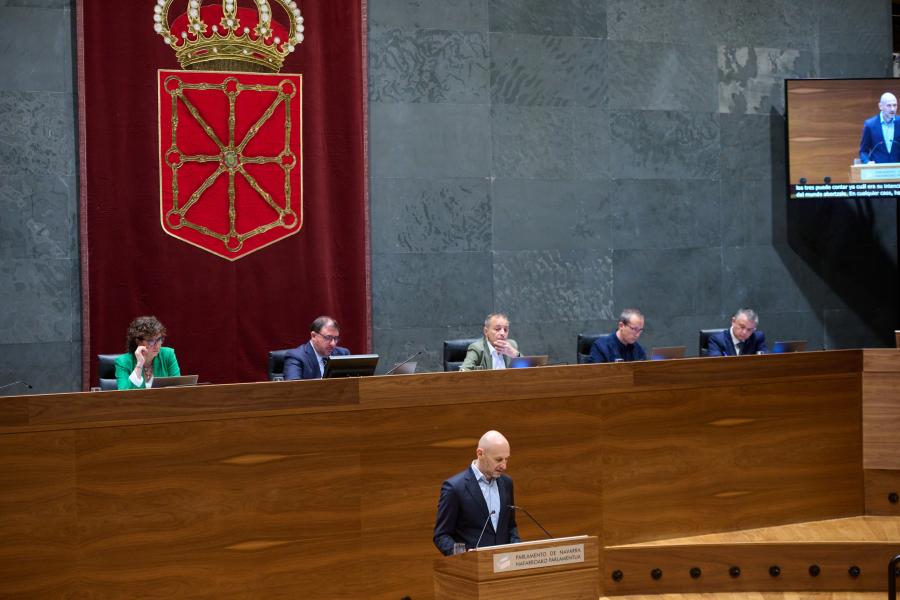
(415, 290)
(38, 216)
(429, 140)
(862, 27)
(536, 214)
(549, 143)
(548, 285)
(665, 145)
(530, 70)
(37, 300)
(428, 65)
(35, 51)
(47, 367)
(37, 132)
(674, 77)
(669, 283)
(654, 213)
(746, 212)
(462, 15)
(585, 18)
(662, 21)
(751, 79)
(430, 215)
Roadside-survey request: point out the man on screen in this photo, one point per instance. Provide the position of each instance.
(307, 361)
(878, 143)
(739, 339)
(474, 506)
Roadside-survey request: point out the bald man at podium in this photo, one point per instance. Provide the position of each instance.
(474, 506)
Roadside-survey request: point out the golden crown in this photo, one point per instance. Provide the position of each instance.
(228, 37)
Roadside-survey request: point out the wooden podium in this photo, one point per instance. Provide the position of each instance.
(559, 568)
(875, 173)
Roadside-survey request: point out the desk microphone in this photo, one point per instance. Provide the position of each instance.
(874, 148)
(12, 383)
(550, 535)
(486, 521)
(398, 365)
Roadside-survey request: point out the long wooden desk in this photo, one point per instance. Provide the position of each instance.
(328, 489)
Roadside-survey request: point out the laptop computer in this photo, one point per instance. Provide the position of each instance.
(176, 381)
(350, 365)
(789, 346)
(667, 352)
(523, 362)
(407, 368)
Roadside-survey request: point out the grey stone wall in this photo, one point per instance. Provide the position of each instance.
(557, 160)
(40, 310)
(562, 160)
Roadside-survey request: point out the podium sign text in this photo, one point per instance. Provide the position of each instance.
(538, 558)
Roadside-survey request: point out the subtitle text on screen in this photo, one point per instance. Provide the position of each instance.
(846, 190)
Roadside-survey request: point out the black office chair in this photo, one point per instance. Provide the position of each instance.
(583, 348)
(276, 363)
(455, 352)
(106, 371)
(704, 339)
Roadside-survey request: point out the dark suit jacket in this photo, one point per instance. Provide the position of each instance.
(462, 512)
(873, 143)
(301, 363)
(720, 344)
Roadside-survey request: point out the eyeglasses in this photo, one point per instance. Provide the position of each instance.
(329, 338)
(633, 328)
(154, 341)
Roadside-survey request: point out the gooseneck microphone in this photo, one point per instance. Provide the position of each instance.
(12, 383)
(486, 521)
(874, 148)
(398, 365)
(549, 535)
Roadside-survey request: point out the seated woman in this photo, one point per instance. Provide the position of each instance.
(146, 357)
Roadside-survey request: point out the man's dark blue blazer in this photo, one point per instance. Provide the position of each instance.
(720, 344)
(872, 146)
(301, 363)
(462, 512)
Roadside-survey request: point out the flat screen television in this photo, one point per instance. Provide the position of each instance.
(827, 154)
(351, 365)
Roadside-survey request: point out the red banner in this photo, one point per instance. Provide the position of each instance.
(235, 224)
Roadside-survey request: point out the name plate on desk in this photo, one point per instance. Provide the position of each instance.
(539, 558)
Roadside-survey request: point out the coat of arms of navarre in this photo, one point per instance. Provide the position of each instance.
(230, 144)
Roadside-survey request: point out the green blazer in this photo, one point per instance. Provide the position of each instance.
(164, 365)
(478, 357)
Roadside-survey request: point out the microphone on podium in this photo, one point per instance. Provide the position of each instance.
(12, 383)
(549, 535)
(486, 521)
(398, 365)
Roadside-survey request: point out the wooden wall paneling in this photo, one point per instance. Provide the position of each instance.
(679, 462)
(881, 420)
(883, 492)
(715, 561)
(232, 507)
(38, 549)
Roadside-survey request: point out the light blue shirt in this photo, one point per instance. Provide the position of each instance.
(490, 491)
(887, 129)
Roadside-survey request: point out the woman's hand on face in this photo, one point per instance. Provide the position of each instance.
(140, 356)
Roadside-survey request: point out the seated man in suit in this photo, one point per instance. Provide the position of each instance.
(741, 338)
(495, 350)
(307, 361)
(474, 506)
(879, 139)
(621, 344)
